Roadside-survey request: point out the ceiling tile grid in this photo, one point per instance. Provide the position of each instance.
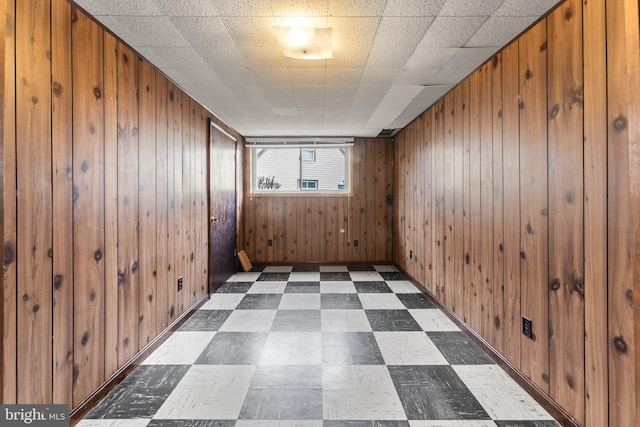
(392, 59)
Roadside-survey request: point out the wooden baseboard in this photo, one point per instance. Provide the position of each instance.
(550, 405)
(101, 392)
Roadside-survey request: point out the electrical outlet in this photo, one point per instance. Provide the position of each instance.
(527, 328)
(270, 242)
(180, 283)
(410, 254)
(355, 243)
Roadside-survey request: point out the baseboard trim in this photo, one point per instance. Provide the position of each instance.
(562, 416)
(101, 392)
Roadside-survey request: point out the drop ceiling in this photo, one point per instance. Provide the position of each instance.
(391, 58)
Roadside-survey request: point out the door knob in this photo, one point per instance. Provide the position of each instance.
(215, 219)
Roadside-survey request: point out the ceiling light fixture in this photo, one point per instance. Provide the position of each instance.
(301, 42)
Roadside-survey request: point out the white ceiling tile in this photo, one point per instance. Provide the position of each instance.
(379, 76)
(272, 77)
(525, 7)
(120, 7)
(201, 30)
(396, 40)
(151, 31)
(259, 58)
(302, 76)
(413, 7)
(178, 57)
(243, 7)
(338, 101)
(202, 75)
(293, 63)
(372, 90)
(415, 77)
(285, 111)
(280, 101)
(222, 57)
(450, 76)
(186, 7)
(343, 76)
(430, 57)
(252, 32)
(332, 91)
(451, 31)
(470, 57)
(299, 7)
(356, 8)
(469, 7)
(499, 31)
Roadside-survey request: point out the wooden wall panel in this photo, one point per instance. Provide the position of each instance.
(147, 165)
(485, 268)
(511, 191)
(448, 119)
(88, 207)
(566, 229)
(9, 282)
(496, 321)
(533, 208)
(110, 98)
(622, 357)
(458, 202)
(85, 182)
(128, 251)
(549, 187)
(307, 228)
(595, 214)
(33, 118)
(62, 196)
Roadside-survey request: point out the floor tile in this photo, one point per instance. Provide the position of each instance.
(380, 302)
(433, 320)
(528, 423)
(402, 287)
(249, 321)
(233, 348)
(499, 394)
(267, 288)
(344, 321)
(360, 267)
(331, 276)
(206, 320)
(300, 302)
(260, 302)
(304, 277)
(306, 267)
(219, 301)
(392, 320)
(372, 423)
(408, 348)
(350, 348)
(340, 301)
(210, 392)
(273, 277)
(296, 320)
(278, 269)
(141, 393)
(393, 275)
(337, 287)
(181, 348)
(244, 276)
(359, 392)
(333, 268)
(234, 288)
(372, 287)
(191, 423)
(284, 392)
(292, 348)
(459, 348)
(416, 301)
(279, 423)
(365, 276)
(453, 423)
(138, 422)
(302, 288)
(385, 267)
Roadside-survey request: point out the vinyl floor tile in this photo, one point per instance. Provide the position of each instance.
(372, 286)
(206, 320)
(459, 348)
(181, 348)
(408, 348)
(296, 320)
(433, 320)
(221, 301)
(344, 321)
(350, 348)
(292, 348)
(340, 301)
(337, 287)
(381, 302)
(267, 288)
(249, 321)
(365, 276)
(402, 287)
(392, 320)
(415, 301)
(260, 302)
(304, 277)
(234, 348)
(302, 288)
(300, 302)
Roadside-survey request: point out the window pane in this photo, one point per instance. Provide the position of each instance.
(300, 169)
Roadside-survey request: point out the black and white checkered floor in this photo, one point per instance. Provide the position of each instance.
(314, 346)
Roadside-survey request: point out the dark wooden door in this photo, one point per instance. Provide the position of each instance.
(222, 207)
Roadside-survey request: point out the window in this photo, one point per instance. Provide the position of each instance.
(287, 168)
(308, 154)
(309, 184)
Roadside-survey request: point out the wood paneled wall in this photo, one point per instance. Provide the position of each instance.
(514, 197)
(104, 203)
(307, 228)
